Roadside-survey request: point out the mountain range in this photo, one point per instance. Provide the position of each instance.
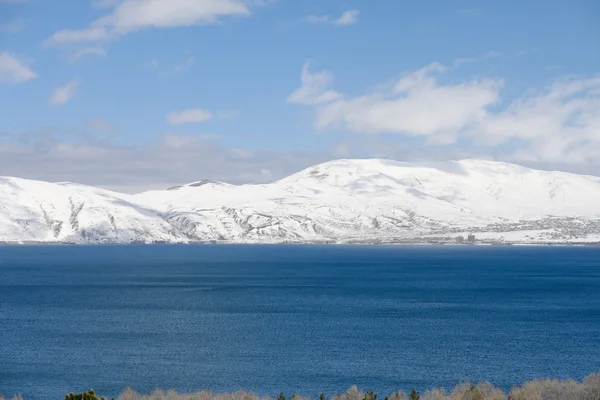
(342, 201)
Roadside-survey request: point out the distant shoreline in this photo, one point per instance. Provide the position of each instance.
(232, 243)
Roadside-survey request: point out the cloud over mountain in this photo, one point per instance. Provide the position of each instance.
(560, 123)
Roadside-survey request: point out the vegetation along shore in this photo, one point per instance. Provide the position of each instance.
(537, 389)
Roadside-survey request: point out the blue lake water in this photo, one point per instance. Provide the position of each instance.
(293, 318)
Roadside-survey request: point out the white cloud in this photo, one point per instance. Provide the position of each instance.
(63, 94)
(348, 17)
(415, 105)
(14, 71)
(188, 116)
(314, 88)
(133, 15)
(98, 51)
(559, 125)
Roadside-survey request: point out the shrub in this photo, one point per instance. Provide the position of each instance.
(89, 395)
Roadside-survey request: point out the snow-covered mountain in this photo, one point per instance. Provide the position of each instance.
(338, 201)
(66, 212)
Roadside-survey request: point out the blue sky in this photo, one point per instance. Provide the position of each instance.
(134, 93)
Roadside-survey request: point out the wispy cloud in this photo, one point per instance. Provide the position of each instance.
(471, 12)
(101, 4)
(169, 160)
(230, 114)
(166, 70)
(314, 89)
(490, 54)
(528, 52)
(14, 26)
(261, 3)
(101, 125)
(348, 17)
(13, 70)
(63, 94)
(97, 51)
(189, 116)
(133, 15)
(91, 34)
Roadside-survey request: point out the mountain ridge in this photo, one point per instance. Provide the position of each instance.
(340, 201)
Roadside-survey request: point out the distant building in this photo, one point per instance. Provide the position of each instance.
(471, 239)
(460, 239)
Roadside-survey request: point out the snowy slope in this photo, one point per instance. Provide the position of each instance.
(65, 212)
(343, 200)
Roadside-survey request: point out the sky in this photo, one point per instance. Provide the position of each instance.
(142, 94)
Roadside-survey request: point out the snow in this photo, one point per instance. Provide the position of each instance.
(49, 212)
(370, 200)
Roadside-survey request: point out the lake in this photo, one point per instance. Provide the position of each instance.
(301, 319)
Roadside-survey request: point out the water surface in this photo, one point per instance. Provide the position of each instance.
(293, 318)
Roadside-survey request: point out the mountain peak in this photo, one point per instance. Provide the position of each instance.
(362, 200)
(199, 183)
